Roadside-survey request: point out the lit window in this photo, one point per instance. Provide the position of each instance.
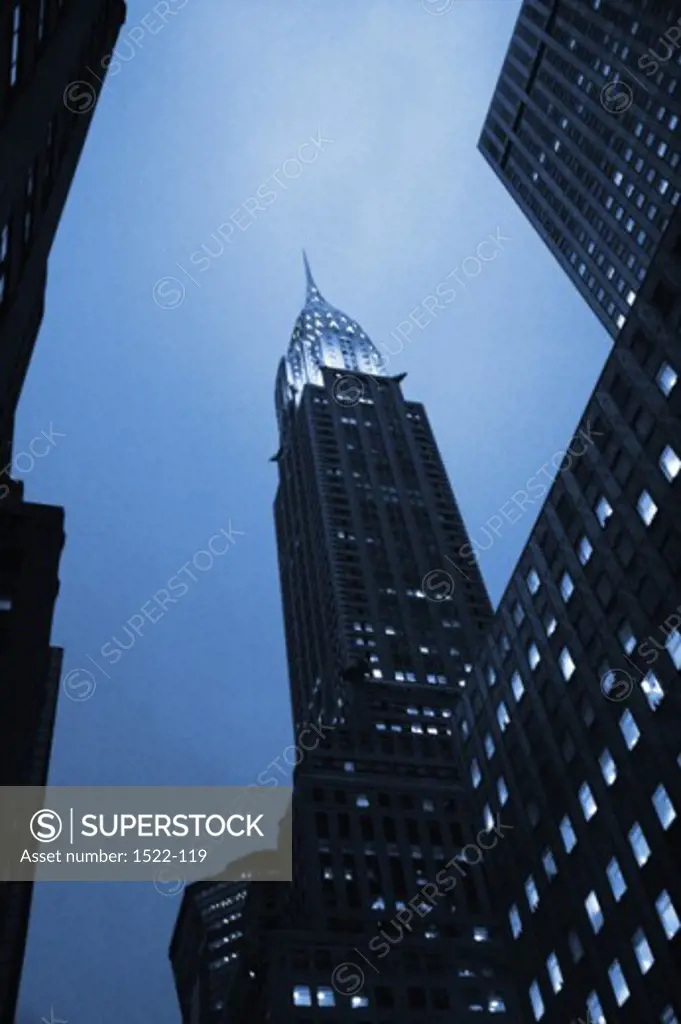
(495, 1004)
(608, 767)
(533, 656)
(362, 801)
(668, 1016)
(489, 746)
(358, 1002)
(644, 953)
(502, 790)
(666, 379)
(594, 1009)
(491, 676)
(593, 909)
(639, 844)
(667, 913)
(550, 625)
(586, 799)
(584, 550)
(555, 974)
(566, 586)
(567, 665)
(626, 638)
(515, 922)
(349, 766)
(616, 879)
(652, 690)
(16, 25)
(517, 685)
(518, 613)
(325, 996)
(532, 893)
(428, 805)
(630, 730)
(549, 862)
(618, 982)
(302, 996)
(666, 811)
(503, 717)
(646, 508)
(673, 646)
(670, 463)
(537, 1001)
(480, 934)
(533, 581)
(568, 834)
(603, 510)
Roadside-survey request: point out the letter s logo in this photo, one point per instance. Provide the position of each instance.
(45, 825)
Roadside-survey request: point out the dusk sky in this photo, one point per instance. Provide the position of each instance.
(163, 386)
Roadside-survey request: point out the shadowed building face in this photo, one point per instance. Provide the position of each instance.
(583, 130)
(381, 634)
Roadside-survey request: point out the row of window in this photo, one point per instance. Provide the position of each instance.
(642, 950)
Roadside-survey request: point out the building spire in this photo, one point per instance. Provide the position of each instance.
(312, 290)
(323, 337)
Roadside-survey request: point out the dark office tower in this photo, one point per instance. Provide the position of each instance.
(50, 56)
(583, 131)
(572, 728)
(381, 634)
(31, 540)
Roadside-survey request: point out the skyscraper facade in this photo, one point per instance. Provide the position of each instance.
(388, 918)
(52, 59)
(571, 725)
(51, 72)
(583, 130)
(31, 541)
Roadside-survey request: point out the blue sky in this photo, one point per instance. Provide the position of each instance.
(167, 409)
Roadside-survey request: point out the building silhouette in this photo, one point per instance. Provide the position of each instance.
(568, 708)
(388, 917)
(51, 52)
(572, 719)
(571, 727)
(583, 130)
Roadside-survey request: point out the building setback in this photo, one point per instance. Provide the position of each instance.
(50, 54)
(583, 130)
(381, 923)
